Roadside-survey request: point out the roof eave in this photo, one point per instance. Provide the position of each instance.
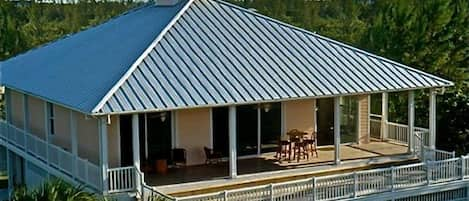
(265, 101)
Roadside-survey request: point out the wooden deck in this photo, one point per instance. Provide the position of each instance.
(266, 169)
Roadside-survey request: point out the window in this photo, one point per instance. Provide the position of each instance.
(349, 119)
(51, 116)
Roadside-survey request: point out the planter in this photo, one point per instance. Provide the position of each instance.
(161, 166)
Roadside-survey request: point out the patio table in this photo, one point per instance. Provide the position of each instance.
(298, 135)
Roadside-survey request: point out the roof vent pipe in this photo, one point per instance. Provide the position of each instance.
(166, 2)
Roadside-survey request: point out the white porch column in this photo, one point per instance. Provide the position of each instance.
(136, 148)
(384, 115)
(74, 141)
(432, 119)
(337, 130)
(103, 152)
(411, 120)
(232, 141)
(136, 141)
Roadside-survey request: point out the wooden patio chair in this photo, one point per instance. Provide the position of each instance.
(311, 144)
(298, 149)
(283, 149)
(212, 157)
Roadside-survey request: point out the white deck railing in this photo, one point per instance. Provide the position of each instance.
(350, 185)
(129, 179)
(396, 132)
(51, 155)
(122, 179)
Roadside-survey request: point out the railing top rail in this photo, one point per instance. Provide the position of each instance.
(294, 181)
(375, 115)
(397, 124)
(335, 175)
(249, 188)
(409, 165)
(373, 170)
(421, 129)
(444, 161)
(120, 168)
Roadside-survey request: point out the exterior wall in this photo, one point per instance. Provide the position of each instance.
(62, 136)
(300, 114)
(37, 117)
(88, 138)
(17, 112)
(193, 133)
(113, 137)
(364, 119)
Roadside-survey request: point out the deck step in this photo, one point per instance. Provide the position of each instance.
(243, 184)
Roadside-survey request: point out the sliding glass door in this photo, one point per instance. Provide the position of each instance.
(271, 121)
(246, 129)
(158, 136)
(349, 119)
(220, 130)
(249, 140)
(154, 136)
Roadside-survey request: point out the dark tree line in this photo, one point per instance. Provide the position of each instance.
(25, 25)
(430, 35)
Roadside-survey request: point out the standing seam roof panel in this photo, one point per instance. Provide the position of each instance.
(266, 80)
(214, 85)
(193, 71)
(219, 72)
(228, 67)
(219, 54)
(277, 72)
(238, 64)
(293, 70)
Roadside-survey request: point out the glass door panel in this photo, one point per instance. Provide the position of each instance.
(220, 130)
(325, 121)
(246, 127)
(270, 126)
(159, 136)
(349, 119)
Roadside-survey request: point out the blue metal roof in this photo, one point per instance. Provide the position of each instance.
(206, 53)
(78, 70)
(220, 54)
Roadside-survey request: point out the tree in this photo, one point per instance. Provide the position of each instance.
(55, 190)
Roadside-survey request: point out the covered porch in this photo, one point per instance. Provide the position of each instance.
(247, 138)
(267, 162)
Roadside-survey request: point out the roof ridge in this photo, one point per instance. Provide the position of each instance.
(343, 44)
(137, 62)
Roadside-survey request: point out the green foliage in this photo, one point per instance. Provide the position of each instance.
(56, 190)
(26, 25)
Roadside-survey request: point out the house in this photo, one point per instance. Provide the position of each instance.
(107, 107)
